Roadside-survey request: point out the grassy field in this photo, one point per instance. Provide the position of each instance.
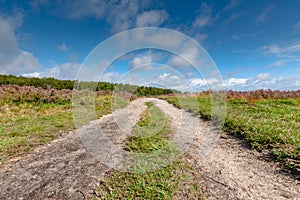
(30, 117)
(162, 183)
(265, 124)
(26, 125)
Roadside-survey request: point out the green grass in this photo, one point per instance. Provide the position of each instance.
(150, 133)
(162, 183)
(24, 126)
(265, 124)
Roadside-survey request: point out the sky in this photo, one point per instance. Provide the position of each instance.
(248, 44)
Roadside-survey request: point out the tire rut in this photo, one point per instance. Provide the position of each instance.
(68, 168)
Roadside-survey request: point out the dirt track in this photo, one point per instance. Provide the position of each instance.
(65, 169)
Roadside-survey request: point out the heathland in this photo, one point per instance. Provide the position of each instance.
(36, 111)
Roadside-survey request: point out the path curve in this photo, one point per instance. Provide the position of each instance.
(65, 169)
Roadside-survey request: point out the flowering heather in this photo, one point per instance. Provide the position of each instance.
(263, 94)
(256, 94)
(21, 94)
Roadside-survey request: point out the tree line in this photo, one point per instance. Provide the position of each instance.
(49, 82)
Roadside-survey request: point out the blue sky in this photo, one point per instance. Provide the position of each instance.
(255, 44)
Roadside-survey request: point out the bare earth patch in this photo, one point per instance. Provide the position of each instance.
(64, 169)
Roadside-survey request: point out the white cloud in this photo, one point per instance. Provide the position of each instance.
(112, 77)
(232, 4)
(199, 83)
(73, 9)
(272, 49)
(33, 74)
(70, 71)
(14, 60)
(278, 63)
(144, 61)
(204, 18)
(178, 61)
(263, 76)
(170, 78)
(22, 62)
(62, 71)
(234, 82)
(265, 15)
(297, 25)
(165, 76)
(293, 49)
(8, 40)
(285, 53)
(63, 47)
(151, 18)
(238, 50)
(236, 36)
(263, 81)
(200, 37)
(173, 80)
(281, 50)
(36, 4)
(121, 15)
(260, 81)
(162, 75)
(151, 38)
(141, 60)
(233, 16)
(163, 38)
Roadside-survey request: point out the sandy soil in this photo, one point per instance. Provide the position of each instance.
(69, 167)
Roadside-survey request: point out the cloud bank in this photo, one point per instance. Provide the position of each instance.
(14, 60)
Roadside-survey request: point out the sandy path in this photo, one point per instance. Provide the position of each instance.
(231, 171)
(67, 169)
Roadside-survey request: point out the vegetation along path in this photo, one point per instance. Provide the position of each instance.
(64, 169)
